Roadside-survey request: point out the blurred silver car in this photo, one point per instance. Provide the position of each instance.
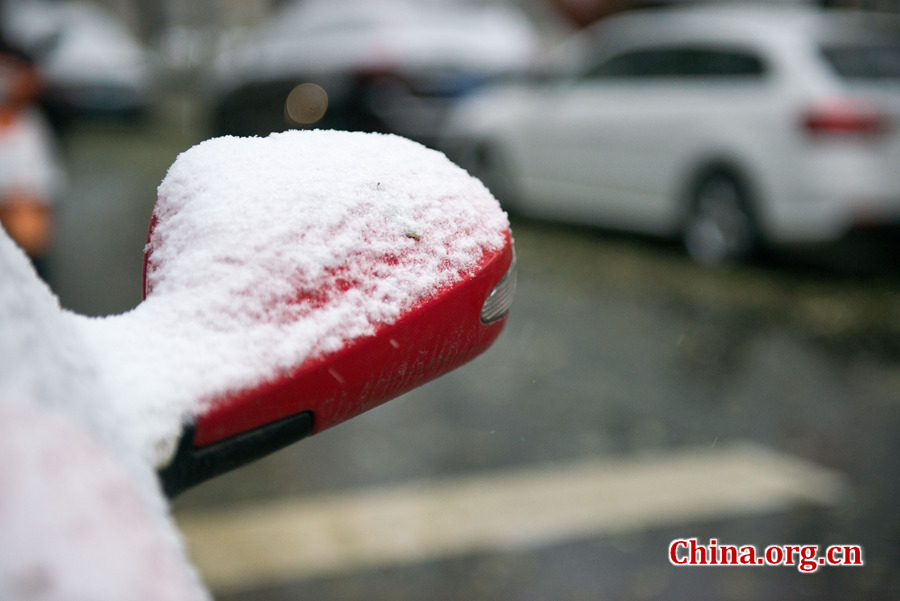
(729, 126)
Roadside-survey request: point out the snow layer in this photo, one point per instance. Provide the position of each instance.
(74, 523)
(266, 252)
(81, 513)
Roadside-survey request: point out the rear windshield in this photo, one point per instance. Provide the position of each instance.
(865, 61)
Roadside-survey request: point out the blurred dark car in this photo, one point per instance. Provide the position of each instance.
(90, 63)
(366, 65)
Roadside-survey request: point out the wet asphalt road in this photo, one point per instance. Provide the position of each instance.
(617, 346)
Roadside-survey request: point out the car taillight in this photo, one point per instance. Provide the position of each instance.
(842, 117)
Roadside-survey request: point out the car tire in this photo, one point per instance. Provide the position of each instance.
(720, 229)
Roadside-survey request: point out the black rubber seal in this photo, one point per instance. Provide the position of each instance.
(192, 465)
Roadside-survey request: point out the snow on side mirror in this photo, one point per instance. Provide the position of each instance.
(295, 281)
(291, 282)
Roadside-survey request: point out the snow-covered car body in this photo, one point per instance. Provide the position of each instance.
(790, 112)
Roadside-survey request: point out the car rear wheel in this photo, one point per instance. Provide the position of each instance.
(720, 228)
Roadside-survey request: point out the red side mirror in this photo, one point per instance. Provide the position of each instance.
(313, 275)
(291, 283)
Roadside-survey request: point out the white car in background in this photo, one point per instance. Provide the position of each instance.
(730, 126)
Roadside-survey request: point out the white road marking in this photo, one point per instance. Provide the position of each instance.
(297, 539)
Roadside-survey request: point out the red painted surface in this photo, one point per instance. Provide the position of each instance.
(431, 339)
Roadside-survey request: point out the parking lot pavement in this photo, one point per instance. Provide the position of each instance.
(616, 352)
(620, 355)
(495, 512)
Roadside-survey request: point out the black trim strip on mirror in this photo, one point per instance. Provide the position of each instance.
(192, 465)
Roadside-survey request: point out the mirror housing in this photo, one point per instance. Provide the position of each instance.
(424, 255)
